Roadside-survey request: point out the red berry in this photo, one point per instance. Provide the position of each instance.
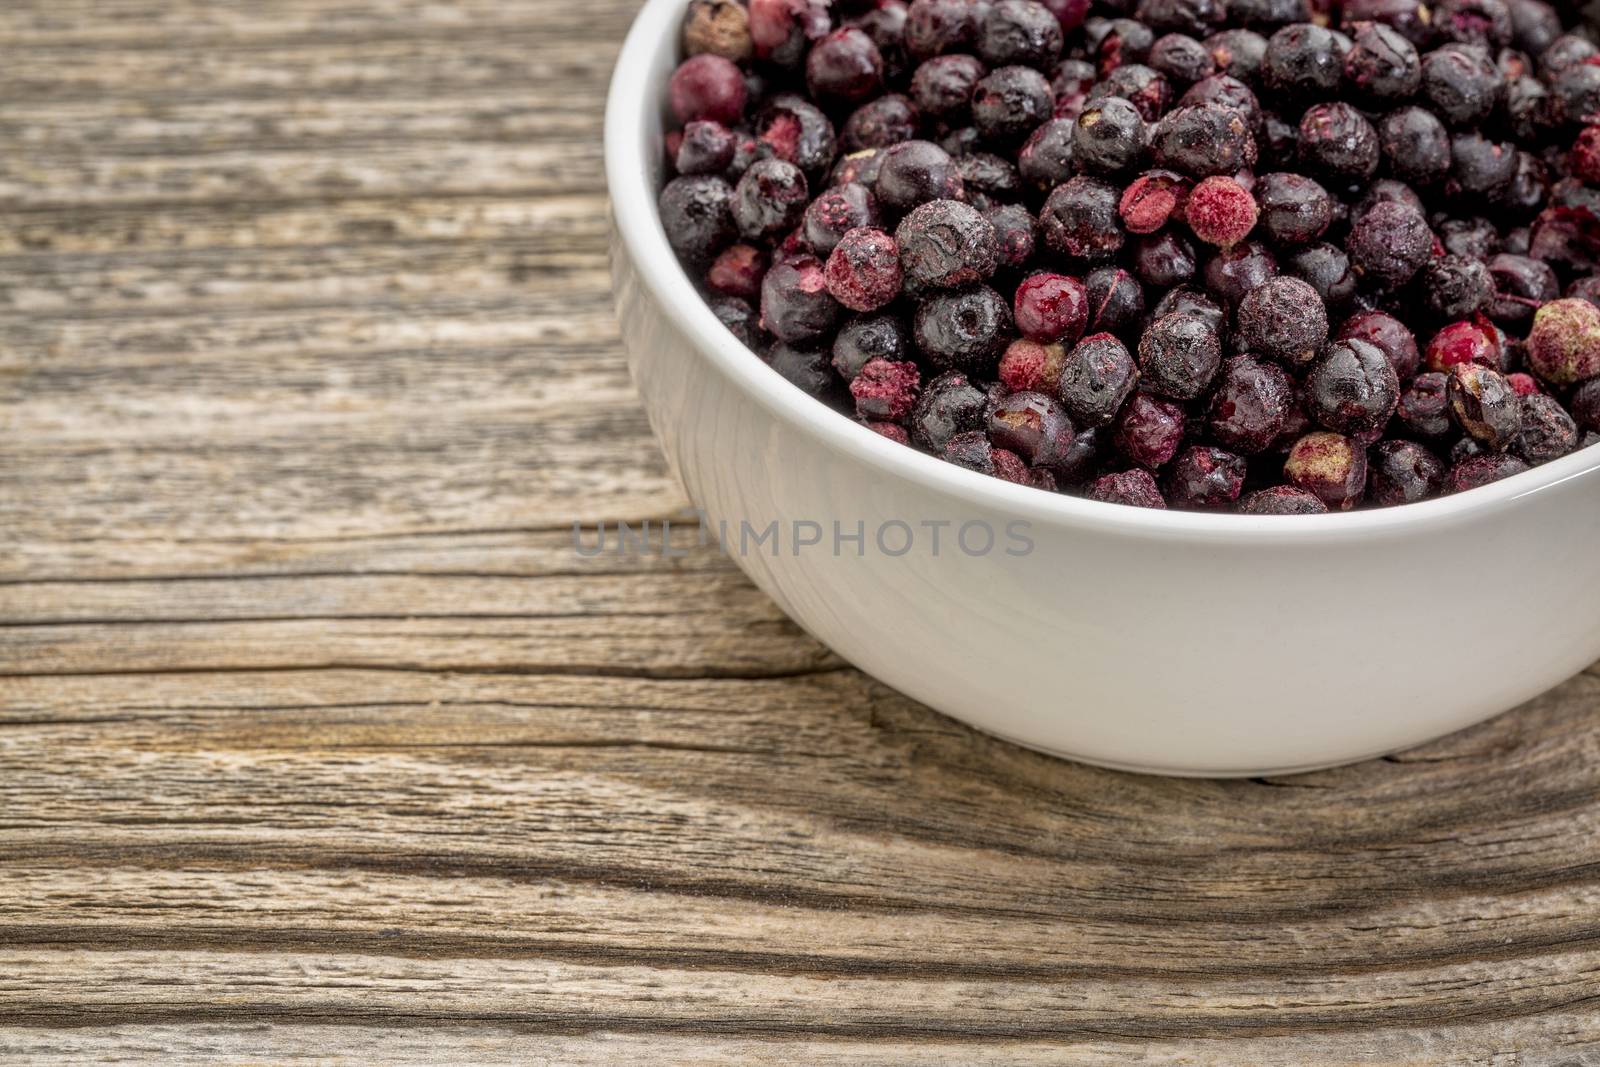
(1051, 307)
(1220, 212)
(1468, 341)
(707, 87)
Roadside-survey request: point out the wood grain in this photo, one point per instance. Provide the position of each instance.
(320, 744)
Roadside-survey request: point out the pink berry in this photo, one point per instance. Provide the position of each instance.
(707, 86)
(1468, 341)
(1564, 346)
(1051, 307)
(863, 270)
(1220, 212)
(886, 389)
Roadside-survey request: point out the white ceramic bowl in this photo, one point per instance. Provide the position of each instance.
(1168, 642)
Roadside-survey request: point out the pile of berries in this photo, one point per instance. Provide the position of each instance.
(1273, 256)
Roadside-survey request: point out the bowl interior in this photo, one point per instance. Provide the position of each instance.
(633, 133)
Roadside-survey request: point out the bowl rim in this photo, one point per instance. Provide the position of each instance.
(630, 179)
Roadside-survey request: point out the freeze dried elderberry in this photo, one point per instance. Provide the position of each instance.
(1179, 355)
(1283, 319)
(1204, 140)
(945, 243)
(966, 329)
(1095, 378)
(977, 225)
(1080, 219)
(1352, 388)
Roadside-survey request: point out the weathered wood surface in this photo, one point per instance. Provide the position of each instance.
(318, 743)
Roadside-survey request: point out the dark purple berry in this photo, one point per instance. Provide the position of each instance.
(1179, 355)
(914, 172)
(1337, 140)
(739, 317)
(1352, 388)
(988, 179)
(1410, 17)
(1181, 16)
(1110, 137)
(1237, 53)
(1250, 406)
(935, 26)
(1019, 32)
(866, 338)
(1163, 260)
(1233, 272)
(1203, 478)
(861, 167)
(1080, 219)
(1382, 66)
(1096, 377)
(1548, 431)
(1192, 301)
(1485, 405)
(973, 451)
(1008, 103)
(1143, 87)
(1403, 472)
(1225, 91)
(1388, 244)
(770, 200)
(1303, 61)
(1453, 287)
(1389, 335)
(1203, 140)
(1116, 300)
(795, 130)
(942, 86)
(835, 212)
(1282, 500)
(1481, 168)
(1123, 42)
(844, 66)
(1475, 238)
(949, 404)
(965, 330)
(1294, 209)
(1326, 269)
(697, 215)
(1461, 84)
(1149, 429)
(1135, 488)
(706, 148)
(1283, 319)
(1480, 470)
(805, 368)
(1424, 405)
(1181, 58)
(1034, 426)
(1585, 406)
(1046, 159)
(944, 244)
(1415, 146)
(879, 123)
(796, 306)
